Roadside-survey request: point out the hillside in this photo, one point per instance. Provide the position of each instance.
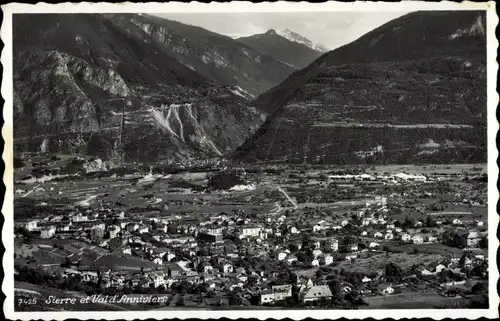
(385, 98)
(417, 35)
(84, 85)
(282, 49)
(216, 57)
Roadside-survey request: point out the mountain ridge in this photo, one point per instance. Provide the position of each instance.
(282, 49)
(83, 84)
(216, 57)
(295, 37)
(351, 101)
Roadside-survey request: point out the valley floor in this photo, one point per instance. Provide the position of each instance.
(394, 236)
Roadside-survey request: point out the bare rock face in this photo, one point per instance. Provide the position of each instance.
(85, 85)
(382, 98)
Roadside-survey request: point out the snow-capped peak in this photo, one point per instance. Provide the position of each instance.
(295, 37)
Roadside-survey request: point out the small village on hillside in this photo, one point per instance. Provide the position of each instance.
(280, 237)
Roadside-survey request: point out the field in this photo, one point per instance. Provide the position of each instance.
(431, 248)
(415, 300)
(378, 261)
(125, 263)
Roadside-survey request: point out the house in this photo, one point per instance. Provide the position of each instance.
(332, 244)
(227, 268)
(267, 297)
(366, 279)
(294, 230)
(364, 233)
(315, 262)
(158, 279)
(281, 292)
(282, 256)
(291, 258)
(326, 259)
(385, 289)
(388, 236)
(30, 225)
(317, 292)
(374, 245)
(480, 223)
(350, 257)
(457, 222)
(346, 288)
(417, 239)
(113, 231)
(132, 227)
(127, 250)
(378, 235)
(158, 260)
(79, 218)
(425, 271)
(431, 238)
(473, 239)
(317, 253)
(405, 237)
(436, 267)
(170, 257)
(352, 247)
(48, 232)
(249, 231)
(480, 257)
(89, 276)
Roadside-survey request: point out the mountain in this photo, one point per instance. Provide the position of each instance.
(282, 49)
(412, 90)
(295, 37)
(321, 48)
(83, 84)
(216, 57)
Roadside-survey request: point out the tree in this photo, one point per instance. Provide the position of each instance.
(429, 221)
(483, 243)
(392, 272)
(224, 180)
(234, 299)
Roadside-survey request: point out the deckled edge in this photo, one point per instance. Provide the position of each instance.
(7, 156)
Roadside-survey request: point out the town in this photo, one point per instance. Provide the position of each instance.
(213, 235)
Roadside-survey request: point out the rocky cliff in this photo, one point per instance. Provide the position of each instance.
(83, 84)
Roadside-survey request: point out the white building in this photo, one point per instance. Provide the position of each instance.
(48, 232)
(405, 237)
(227, 268)
(417, 239)
(282, 256)
(250, 231)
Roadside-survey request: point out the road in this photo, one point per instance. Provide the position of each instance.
(295, 205)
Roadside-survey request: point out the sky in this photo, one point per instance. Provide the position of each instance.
(333, 29)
